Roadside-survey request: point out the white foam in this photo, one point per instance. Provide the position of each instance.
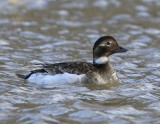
(41, 78)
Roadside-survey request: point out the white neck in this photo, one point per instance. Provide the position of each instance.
(101, 60)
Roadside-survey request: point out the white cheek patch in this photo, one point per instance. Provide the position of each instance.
(101, 60)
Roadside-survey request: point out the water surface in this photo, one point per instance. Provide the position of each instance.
(57, 31)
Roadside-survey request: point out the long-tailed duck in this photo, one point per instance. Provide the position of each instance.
(99, 72)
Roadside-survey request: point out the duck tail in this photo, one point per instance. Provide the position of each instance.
(32, 72)
(21, 76)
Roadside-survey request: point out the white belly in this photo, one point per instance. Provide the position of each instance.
(43, 78)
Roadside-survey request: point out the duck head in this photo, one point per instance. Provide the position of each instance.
(104, 47)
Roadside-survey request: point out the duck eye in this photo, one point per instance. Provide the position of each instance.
(108, 43)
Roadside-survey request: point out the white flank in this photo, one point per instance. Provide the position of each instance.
(39, 78)
(101, 60)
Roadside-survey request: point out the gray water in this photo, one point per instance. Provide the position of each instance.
(65, 30)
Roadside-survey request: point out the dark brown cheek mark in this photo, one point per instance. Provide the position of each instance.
(100, 51)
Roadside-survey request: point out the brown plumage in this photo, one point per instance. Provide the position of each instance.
(70, 67)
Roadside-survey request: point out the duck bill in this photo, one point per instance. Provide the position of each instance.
(120, 50)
